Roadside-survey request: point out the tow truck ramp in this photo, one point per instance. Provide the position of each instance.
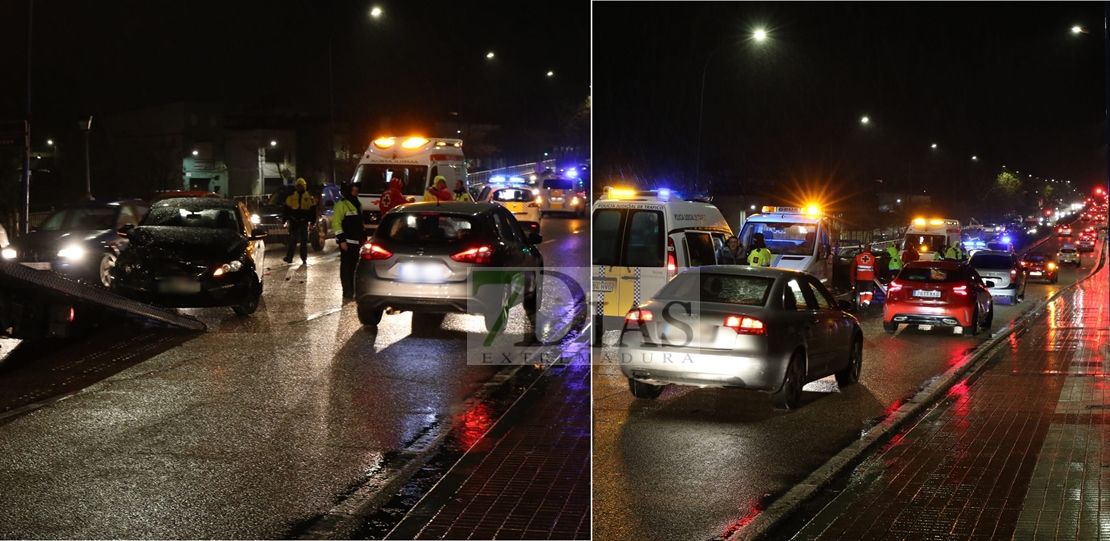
(41, 303)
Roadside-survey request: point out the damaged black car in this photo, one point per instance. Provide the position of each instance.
(193, 252)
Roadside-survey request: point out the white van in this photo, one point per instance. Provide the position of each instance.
(414, 160)
(930, 236)
(799, 239)
(642, 239)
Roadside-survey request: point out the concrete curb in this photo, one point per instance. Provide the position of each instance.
(761, 524)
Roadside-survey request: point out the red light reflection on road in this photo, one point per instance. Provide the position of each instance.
(753, 512)
(963, 403)
(474, 423)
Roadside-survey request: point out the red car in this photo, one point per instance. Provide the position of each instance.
(1041, 266)
(939, 293)
(1063, 231)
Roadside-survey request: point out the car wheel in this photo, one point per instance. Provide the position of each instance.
(250, 304)
(644, 390)
(789, 396)
(368, 316)
(990, 319)
(850, 373)
(1055, 278)
(890, 326)
(107, 261)
(973, 329)
(495, 309)
(318, 239)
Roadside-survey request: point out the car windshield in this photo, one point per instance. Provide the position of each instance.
(783, 237)
(925, 243)
(711, 287)
(517, 195)
(428, 228)
(81, 219)
(374, 178)
(1067, 250)
(209, 218)
(990, 261)
(930, 275)
(559, 183)
(1035, 258)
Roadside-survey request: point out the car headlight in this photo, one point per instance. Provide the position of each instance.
(72, 252)
(255, 219)
(9, 253)
(234, 266)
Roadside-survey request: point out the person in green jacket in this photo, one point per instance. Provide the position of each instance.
(760, 256)
(895, 264)
(952, 253)
(350, 233)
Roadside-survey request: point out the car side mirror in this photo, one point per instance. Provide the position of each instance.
(535, 238)
(988, 284)
(258, 235)
(123, 231)
(845, 306)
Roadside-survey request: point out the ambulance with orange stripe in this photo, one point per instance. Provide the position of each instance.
(642, 239)
(931, 236)
(417, 161)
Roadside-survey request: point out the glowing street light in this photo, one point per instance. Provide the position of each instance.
(1078, 30)
(376, 12)
(489, 54)
(934, 145)
(551, 74)
(864, 120)
(759, 36)
(975, 158)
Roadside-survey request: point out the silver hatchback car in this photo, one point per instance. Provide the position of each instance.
(423, 255)
(1005, 270)
(766, 329)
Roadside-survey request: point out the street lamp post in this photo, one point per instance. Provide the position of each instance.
(758, 35)
(86, 126)
(375, 13)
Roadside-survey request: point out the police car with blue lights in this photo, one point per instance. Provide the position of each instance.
(514, 194)
(644, 238)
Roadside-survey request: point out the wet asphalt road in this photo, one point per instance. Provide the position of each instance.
(254, 427)
(692, 463)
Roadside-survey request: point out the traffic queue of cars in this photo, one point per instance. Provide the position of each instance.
(770, 329)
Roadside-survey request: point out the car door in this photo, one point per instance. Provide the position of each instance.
(837, 326)
(804, 317)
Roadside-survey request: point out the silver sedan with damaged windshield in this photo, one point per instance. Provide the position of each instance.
(765, 329)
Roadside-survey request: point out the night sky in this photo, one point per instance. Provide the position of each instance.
(1005, 81)
(417, 64)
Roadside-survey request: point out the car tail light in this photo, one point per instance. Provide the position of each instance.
(894, 287)
(1051, 266)
(960, 290)
(1013, 274)
(1024, 264)
(745, 325)
(636, 315)
(672, 260)
(373, 251)
(478, 256)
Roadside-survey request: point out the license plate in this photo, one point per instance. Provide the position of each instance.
(925, 327)
(927, 294)
(40, 265)
(1035, 273)
(603, 286)
(422, 272)
(556, 205)
(179, 286)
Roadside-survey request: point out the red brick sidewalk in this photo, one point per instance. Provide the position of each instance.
(528, 478)
(1019, 450)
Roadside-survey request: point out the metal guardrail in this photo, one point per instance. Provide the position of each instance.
(481, 177)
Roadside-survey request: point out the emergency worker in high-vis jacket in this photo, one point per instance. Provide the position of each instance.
(862, 275)
(299, 215)
(350, 233)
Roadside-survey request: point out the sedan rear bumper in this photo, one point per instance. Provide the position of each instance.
(684, 366)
